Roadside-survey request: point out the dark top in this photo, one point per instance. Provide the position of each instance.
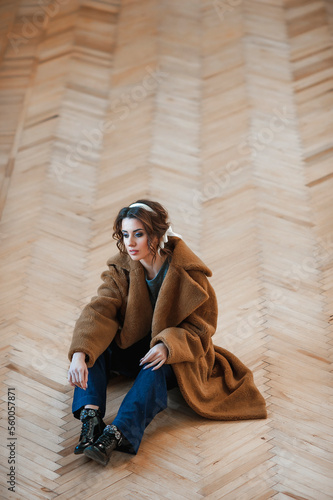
(154, 285)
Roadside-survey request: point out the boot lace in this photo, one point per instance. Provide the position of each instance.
(106, 439)
(110, 435)
(86, 427)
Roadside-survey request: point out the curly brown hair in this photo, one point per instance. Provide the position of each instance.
(155, 224)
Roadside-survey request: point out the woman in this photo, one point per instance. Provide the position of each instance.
(153, 319)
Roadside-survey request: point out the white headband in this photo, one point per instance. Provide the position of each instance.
(143, 205)
(167, 233)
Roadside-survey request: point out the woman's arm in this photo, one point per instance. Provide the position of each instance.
(98, 323)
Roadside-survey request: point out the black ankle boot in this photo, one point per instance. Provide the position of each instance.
(92, 428)
(101, 450)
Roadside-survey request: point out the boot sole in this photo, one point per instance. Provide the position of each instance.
(80, 451)
(96, 455)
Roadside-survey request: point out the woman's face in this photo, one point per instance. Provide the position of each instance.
(135, 239)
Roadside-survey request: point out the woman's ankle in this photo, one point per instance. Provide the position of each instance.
(91, 407)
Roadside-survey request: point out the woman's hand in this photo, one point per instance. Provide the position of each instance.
(78, 371)
(156, 356)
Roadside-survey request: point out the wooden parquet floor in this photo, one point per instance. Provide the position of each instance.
(222, 111)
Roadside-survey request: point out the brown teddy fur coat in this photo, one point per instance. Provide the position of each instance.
(213, 381)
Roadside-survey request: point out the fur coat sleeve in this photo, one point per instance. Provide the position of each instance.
(99, 320)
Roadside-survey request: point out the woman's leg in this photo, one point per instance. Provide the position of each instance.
(146, 398)
(95, 394)
(89, 405)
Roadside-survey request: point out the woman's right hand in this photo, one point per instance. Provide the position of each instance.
(78, 371)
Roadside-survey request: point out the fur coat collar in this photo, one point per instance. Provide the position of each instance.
(179, 295)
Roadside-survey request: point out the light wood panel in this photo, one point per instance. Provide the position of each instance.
(222, 111)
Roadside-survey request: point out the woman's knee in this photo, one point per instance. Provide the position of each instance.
(163, 375)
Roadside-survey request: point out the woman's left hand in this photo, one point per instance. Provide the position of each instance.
(156, 356)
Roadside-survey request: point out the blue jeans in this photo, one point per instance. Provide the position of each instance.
(146, 398)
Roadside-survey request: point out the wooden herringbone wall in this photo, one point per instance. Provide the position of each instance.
(222, 111)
